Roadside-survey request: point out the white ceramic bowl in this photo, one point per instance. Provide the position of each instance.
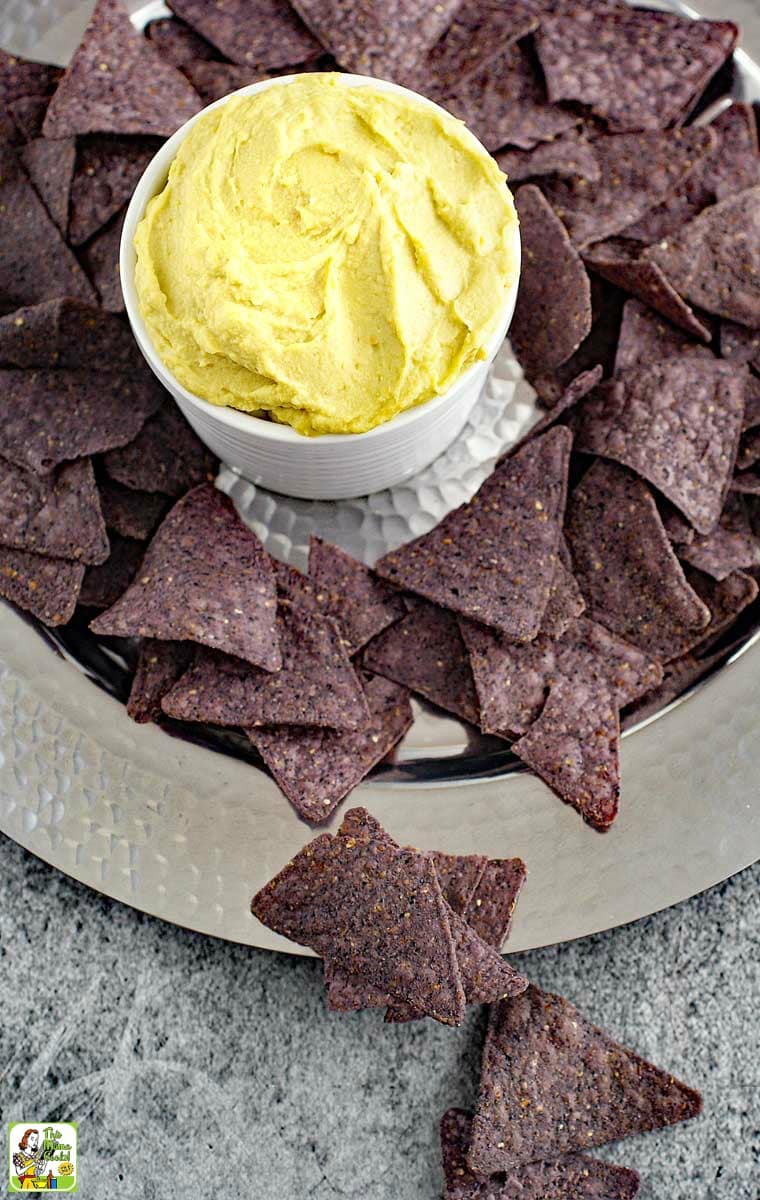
(330, 466)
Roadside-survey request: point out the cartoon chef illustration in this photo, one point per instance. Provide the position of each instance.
(29, 1162)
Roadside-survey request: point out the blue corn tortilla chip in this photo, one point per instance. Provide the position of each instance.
(565, 600)
(749, 449)
(57, 514)
(494, 558)
(177, 43)
(740, 344)
(677, 423)
(108, 169)
(48, 417)
(130, 513)
(100, 258)
(104, 584)
(479, 32)
(425, 653)
(361, 605)
(570, 1177)
(582, 1088)
(620, 263)
(636, 70)
(206, 578)
(571, 156)
(317, 768)
(732, 166)
(159, 666)
(384, 38)
(505, 104)
(513, 681)
(725, 599)
(574, 746)
(263, 34)
(630, 577)
(35, 262)
(48, 588)
(50, 166)
(165, 456)
(645, 337)
(69, 334)
(553, 311)
(375, 911)
(491, 907)
(21, 78)
(714, 261)
(730, 547)
(315, 686)
(638, 171)
(117, 82)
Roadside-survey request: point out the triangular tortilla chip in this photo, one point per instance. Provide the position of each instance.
(677, 423)
(635, 70)
(117, 82)
(177, 42)
(165, 456)
(381, 917)
(206, 578)
(48, 417)
(57, 514)
(159, 666)
(424, 652)
(317, 768)
(48, 588)
(552, 1083)
(714, 261)
(553, 311)
(35, 262)
(638, 170)
(629, 575)
(571, 1177)
(347, 590)
(384, 38)
(480, 32)
(108, 169)
(69, 334)
(566, 602)
(494, 558)
(459, 876)
(255, 33)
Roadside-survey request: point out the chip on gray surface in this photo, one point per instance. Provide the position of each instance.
(159, 666)
(48, 588)
(583, 1089)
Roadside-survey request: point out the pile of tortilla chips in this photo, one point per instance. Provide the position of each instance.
(417, 933)
(610, 558)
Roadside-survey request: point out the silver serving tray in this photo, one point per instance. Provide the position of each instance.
(188, 833)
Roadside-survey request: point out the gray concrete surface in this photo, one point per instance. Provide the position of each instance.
(197, 1068)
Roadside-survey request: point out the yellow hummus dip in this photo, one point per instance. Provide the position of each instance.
(326, 255)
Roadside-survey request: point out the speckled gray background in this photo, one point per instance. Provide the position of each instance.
(198, 1068)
